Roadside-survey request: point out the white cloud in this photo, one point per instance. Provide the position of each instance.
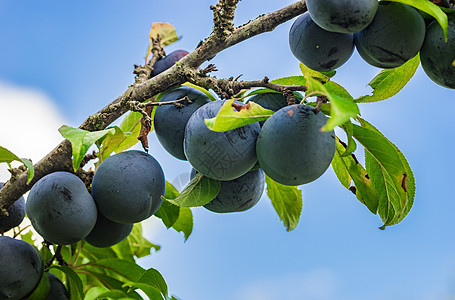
(316, 284)
(28, 123)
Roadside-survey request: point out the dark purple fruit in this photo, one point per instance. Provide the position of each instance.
(291, 149)
(107, 233)
(16, 214)
(127, 187)
(20, 268)
(60, 208)
(343, 16)
(438, 56)
(57, 290)
(319, 49)
(394, 36)
(170, 120)
(168, 61)
(219, 155)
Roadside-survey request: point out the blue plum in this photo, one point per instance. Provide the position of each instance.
(393, 37)
(343, 16)
(16, 214)
(168, 61)
(219, 155)
(319, 49)
(60, 208)
(20, 268)
(291, 149)
(438, 56)
(170, 120)
(127, 187)
(107, 233)
(57, 290)
(239, 194)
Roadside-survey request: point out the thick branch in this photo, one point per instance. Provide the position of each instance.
(59, 159)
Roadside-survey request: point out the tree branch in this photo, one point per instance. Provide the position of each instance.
(59, 159)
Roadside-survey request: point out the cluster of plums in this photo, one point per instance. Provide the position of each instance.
(385, 34)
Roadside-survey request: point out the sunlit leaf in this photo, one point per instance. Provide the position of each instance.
(185, 222)
(7, 156)
(207, 93)
(166, 32)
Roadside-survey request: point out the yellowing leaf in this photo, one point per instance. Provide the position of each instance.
(167, 33)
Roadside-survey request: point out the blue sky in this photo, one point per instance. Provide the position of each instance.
(80, 55)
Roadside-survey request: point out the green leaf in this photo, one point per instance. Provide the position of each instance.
(229, 118)
(93, 253)
(131, 127)
(429, 8)
(387, 172)
(7, 156)
(200, 191)
(111, 142)
(185, 222)
(342, 106)
(126, 269)
(104, 293)
(262, 91)
(28, 237)
(73, 281)
(287, 201)
(347, 127)
(42, 289)
(151, 291)
(290, 80)
(81, 140)
(207, 93)
(168, 212)
(94, 292)
(154, 278)
(123, 250)
(347, 170)
(324, 76)
(407, 183)
(390, 81)
(140, 245)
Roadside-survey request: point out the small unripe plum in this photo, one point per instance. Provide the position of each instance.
(57, 290)
(170, 120)
(20, 268)
(168, 61)
(127, 187)
(437, 55)
(291, 149)
(393, 37)
(107, 233)
(239, 194)
(344, 16)
(319, 49)
(219, 155)
(16, 214)
(60, 208)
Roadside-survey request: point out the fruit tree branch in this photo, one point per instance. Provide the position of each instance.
(59, 159)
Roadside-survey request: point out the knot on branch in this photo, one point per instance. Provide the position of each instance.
(223, 18)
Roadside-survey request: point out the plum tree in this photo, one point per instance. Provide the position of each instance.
(107, 233)
(291, 149)
(239, 194)
(168, 61)
(393, 37)
(343, 16)
(319, 49)
(57, 290)
(127, 187)
(219, 155)
(170, 120)
(440, 68)
(16, 214)
(60, 208)
(20, 268)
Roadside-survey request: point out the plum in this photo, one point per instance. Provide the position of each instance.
(319, 49)
(60, 208)
(437, 56)
(170, 120)
(57, 290)
(393, 37)
(291, 149)
(272, 101)
(168, 61)
(16, 214)
(107, 233)
(127, 187)
(343, 16)
(219, 155)
(20, 268)
(239, 194)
